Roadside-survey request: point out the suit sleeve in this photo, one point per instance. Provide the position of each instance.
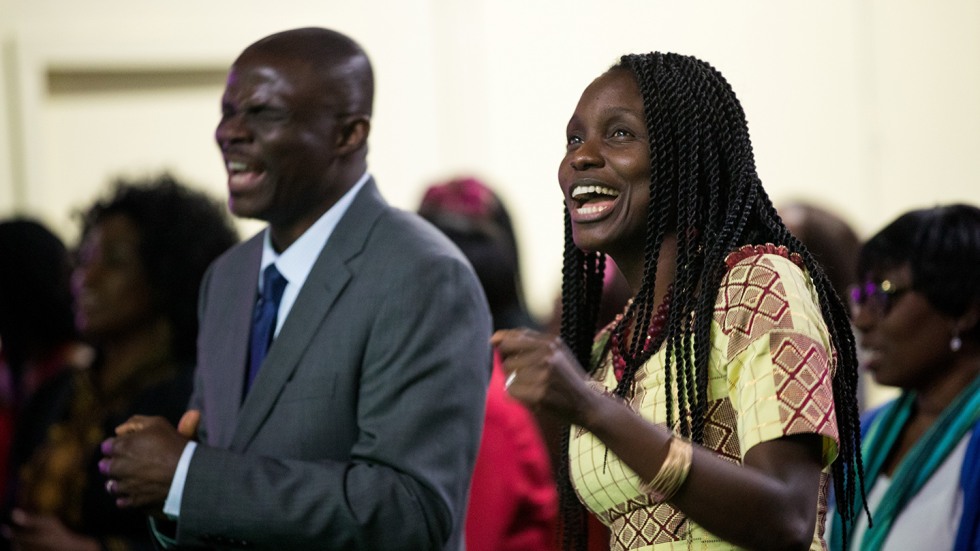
(419, 413)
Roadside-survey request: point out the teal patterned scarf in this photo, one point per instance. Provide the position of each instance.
(918, 465)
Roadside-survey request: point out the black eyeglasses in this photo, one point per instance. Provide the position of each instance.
(880, 297)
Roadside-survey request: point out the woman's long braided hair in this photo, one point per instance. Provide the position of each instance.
(704, 188)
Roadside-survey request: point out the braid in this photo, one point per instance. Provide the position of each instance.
(656, 230)
(682, 281)
(849, 468)
(581, 292)
(690, 250)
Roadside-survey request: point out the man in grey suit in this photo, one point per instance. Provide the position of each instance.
(362, 424)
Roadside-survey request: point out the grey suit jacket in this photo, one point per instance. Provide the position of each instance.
(362, 427)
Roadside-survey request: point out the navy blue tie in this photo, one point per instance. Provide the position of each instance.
(264, 320)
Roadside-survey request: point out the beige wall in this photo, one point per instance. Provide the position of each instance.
(866, 106)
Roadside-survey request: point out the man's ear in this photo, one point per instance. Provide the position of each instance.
(354, 130)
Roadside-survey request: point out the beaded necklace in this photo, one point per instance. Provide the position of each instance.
(657, 323)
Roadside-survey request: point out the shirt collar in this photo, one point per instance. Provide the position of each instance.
(296, 262)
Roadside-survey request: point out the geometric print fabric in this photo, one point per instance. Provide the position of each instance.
(770, 375)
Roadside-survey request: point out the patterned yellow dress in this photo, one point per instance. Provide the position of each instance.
(770, 374)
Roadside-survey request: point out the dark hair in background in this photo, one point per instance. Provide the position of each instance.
(941, 246)
(705, 189)
(468, 212)
(831, 241)
(35, 295)
(180, 232)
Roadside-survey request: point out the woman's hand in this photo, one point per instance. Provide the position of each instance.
(543, 374)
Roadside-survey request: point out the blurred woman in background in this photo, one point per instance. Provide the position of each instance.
(917, 311)
(142, 256)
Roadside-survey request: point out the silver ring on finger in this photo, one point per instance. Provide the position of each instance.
(510, 379)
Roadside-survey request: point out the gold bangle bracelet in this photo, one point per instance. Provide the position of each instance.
(673, 472)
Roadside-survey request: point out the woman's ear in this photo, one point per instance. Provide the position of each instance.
(967, 323)
(970, 318)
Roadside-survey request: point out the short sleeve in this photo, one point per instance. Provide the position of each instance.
(774, 350)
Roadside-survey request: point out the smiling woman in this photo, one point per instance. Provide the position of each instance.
(711, 412)
(606, 169)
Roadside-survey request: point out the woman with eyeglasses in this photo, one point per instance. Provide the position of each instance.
(917, 312)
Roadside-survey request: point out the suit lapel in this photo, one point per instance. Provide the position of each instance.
(233, 300)
(327, 280)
